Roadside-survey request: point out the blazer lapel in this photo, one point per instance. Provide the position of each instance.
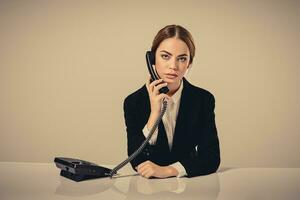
(162, 140)
(186, 108)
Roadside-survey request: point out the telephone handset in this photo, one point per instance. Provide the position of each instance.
(150, 59)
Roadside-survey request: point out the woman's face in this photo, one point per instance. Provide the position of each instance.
(172, 59)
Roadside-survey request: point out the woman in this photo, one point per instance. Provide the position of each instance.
(186, 141)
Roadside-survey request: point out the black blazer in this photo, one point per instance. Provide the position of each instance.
(195, 126)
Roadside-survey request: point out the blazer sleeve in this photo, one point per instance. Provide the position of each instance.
(206, 159)
(134, 128)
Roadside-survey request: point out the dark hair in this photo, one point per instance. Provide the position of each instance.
(176, 31)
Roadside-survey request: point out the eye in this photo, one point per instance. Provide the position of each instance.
(182, 59)
(165, 56)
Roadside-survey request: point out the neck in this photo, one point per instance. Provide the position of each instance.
(173, 87)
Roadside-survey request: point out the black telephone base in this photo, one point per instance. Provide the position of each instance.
(80, 170)
(78, 177)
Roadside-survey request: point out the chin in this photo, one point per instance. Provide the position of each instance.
(168, 80)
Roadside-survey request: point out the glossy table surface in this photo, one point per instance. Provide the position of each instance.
(42, 181)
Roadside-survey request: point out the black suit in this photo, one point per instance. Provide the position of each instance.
(195, 126)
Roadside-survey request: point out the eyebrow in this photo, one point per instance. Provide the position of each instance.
(184, 54)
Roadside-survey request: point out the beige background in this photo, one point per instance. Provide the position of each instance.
(66, 67)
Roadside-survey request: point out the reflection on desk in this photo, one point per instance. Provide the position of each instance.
(137, 187)
(42, 181)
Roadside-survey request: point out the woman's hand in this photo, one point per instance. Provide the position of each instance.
(155, 97)
(149, 169)
(155, 100)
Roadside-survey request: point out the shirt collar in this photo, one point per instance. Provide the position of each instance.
(176, 96)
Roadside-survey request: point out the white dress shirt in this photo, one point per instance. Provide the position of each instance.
(169, 120)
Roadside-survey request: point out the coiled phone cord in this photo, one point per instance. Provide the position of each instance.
(140, 149)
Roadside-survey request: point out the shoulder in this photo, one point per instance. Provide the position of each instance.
(137, 96)
(197, 92)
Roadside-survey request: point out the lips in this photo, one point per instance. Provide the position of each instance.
(171, 75)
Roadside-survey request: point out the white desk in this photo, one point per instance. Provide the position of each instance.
(42, 181)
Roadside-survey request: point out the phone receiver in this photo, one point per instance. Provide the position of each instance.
(150, 59)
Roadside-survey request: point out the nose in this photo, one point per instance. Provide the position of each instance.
(173, 64)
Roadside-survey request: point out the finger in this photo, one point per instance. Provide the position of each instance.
(153, 85)
(142, 164)
(148, 83)
(142, 171)
(148, 165)
(147, 86)
(148, 174)
(158, 87)
(145, 167)
(155, 82)
(163, 96)
(138, 168)
(148, 80)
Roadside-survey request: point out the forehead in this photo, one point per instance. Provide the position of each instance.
(174, 46)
